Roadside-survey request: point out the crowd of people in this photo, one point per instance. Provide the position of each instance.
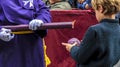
(68, 4)
(71, 4)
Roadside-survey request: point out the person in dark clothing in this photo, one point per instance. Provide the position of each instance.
(86, 4)
(100, 46)
(73, 3)
(80, 4)
(118, 16)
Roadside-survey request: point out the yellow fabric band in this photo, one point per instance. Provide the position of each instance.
(23, 32)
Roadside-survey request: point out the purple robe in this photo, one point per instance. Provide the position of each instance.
(25, 50)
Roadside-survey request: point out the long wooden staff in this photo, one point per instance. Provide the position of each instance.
(55, 25)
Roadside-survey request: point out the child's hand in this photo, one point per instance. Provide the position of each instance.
(69, 46)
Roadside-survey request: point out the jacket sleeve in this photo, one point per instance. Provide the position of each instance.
(42, 12)
(87, 47)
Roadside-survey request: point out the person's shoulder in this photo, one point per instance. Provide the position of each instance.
(96, 26)
(61, 5)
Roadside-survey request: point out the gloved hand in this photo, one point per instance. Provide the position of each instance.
(34, 24)
(6, 35)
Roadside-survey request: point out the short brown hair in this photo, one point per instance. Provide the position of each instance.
(109, 6)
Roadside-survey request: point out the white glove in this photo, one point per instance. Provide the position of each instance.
(34, 24)
(6, 35)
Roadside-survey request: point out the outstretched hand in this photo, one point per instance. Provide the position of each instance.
(69, 46)
(71, 42)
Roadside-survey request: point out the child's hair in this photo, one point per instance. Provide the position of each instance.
(109, 6)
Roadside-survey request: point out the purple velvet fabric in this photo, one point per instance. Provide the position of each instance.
(25, 50)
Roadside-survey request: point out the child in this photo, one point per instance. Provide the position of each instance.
(100, 46)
